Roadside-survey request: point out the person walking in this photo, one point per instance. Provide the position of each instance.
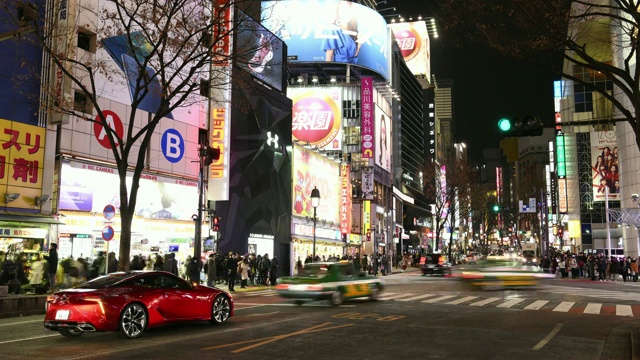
(52, 265)
(171, 265)
(273, 271)
(232, 270)
(211, 270)
(243, 269)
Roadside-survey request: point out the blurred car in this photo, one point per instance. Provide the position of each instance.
(436, 264)
(473, 257)
(502, 271)
(333, 281)
(131, 302)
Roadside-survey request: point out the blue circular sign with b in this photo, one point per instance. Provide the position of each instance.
(172, 145)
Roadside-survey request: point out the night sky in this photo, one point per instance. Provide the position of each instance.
(487, 85)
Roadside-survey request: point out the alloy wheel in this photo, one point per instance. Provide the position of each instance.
(220, 310)
(133, 321)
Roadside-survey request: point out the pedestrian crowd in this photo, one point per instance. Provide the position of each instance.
(593, 266)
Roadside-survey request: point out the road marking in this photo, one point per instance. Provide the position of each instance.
(270, 339)
(392, 296)
(434, 300)
(25, 339)
(536, 305)
(564, 306)
(22, 322)
(547, 338)
(624, 310)
(509, 303)
(460, 301)
(416, 297)
(259, 292)
(485, 301)
(592, 308)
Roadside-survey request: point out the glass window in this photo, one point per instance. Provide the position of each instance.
(105, 281)
(150, 281)
(173, 282)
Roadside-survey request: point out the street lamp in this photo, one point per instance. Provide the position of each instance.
(315, 202)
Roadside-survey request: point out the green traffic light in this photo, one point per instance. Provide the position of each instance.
(496, 208)
(504, 124)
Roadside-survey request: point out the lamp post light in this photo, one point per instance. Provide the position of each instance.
(315, 202)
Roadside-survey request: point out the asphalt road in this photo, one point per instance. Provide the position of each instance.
(417, 318)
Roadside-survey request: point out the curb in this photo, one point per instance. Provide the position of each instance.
(635, 344)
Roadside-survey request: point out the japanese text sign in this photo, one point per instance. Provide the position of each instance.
(366, 128)
(345, 198)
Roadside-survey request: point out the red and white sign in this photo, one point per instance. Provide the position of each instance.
(345, 198)
(317, 116)
(367, 129)
(114, 123)
(221, 33)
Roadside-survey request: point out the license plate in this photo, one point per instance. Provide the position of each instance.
(62, 315)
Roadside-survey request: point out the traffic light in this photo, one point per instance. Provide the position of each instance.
(210, 155)
(528, 126)
(215, 223)
(496, 208)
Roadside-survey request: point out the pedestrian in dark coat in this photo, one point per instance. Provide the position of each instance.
(232, 270)
(52, 264)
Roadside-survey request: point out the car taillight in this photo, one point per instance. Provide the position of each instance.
(96, 299)
(282, 287)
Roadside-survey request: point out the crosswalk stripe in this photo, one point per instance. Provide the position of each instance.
(434, 300)
(536, 305)
(460, 301)
(397, 296)
(624, 310)
(592, 308)
(416, 297)
(485, 301)
(509, 303)
(564, 306)
(260, 292)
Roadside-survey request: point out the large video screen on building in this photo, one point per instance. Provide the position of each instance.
(330, 30)
(383, 139)
(259, 51)
(413, 40)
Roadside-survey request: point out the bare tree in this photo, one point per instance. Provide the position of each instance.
(599, 38)
(174, 55)
(450, 186)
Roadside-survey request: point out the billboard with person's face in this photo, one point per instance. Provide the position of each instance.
(604, 165)
(330, 30)
(383, 139)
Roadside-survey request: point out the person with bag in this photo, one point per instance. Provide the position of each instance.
(243, 270)
(633, 270)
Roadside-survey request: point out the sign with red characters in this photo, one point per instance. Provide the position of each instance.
(345, 198)
(222, 33)
(317, 116)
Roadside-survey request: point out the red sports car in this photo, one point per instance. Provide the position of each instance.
(132, 302)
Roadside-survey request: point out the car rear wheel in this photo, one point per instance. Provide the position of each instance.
(71, 333)
(336, 298)
(220, 310)
(133, 321)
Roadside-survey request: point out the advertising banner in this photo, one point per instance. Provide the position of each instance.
(605, 166)
(413, 40)
(366, 127)
(367, 182)
(330, 30)
(317, 116)
(21, 162)
(383, 138)
(259, 51)
(310, 170)
(345, 198)
(86, 187)
(120, 57)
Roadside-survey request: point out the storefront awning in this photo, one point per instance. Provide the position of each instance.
(38, 219)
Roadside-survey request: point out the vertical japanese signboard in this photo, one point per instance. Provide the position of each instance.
(64, 31)
(219, 169)
(366, 128)
(345, 198)
(367, 183)
(21, 161)
(430, 123)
